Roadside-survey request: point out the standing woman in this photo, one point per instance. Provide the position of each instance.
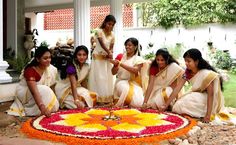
(33, 94)
(100, 77)
(71, 89)
(164, 75)
(205, 100)
(128, 86)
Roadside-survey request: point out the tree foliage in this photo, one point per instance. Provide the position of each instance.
(168, 13)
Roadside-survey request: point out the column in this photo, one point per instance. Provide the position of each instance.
(4, 77)
(82, 22)
(116, 11)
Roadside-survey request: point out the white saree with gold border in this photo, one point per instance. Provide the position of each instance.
(64, 92)
(194, 103)
(24, 103)
(128, 88)
(161, 88)
(101, 79)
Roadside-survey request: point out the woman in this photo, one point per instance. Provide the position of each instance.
(100, 77)
(71, 90)
(205, 100)
(164, 75)
(128, 86)
(33, 94)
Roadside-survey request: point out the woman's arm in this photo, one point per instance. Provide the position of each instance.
(149, 88)
(209, 102)
(109, 52)
(133, 69)
(73, 84)
(38, 98)
(115, 67)
(174, 94)
(114, 70)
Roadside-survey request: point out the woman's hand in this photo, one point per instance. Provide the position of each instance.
(145, 106)
(114, 62)
(110, 55)
(163, 108)
(79, 104)
(44, 110)
(206, 119)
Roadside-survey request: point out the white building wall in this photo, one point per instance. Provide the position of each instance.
(222, 36)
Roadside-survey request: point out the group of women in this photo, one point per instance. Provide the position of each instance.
(121, 81)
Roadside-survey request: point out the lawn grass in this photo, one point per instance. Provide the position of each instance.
(230, 91)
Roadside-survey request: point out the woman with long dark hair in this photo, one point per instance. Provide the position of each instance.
(100, 77)
(72, 89)
(129, 87)
(205, 100)
(163, 78)
(34, 94)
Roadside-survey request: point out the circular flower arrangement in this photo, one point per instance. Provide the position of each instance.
(102, 125)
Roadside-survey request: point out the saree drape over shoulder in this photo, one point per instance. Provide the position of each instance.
(128, 87)
(101, 79)
(24, 103)
(161, 88)
(194, 103)
(64, 92)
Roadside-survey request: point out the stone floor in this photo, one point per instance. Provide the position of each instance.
(202, 134)
(10, 130)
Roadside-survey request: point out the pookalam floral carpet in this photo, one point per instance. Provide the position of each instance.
(117, 126)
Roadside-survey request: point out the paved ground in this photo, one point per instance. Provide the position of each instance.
(202, 134)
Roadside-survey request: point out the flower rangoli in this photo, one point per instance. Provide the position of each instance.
(108, 124)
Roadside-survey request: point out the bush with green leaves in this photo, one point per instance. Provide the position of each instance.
(169, 13)
(222, 60)
(149, 56)
(233, 70)
(18, 63)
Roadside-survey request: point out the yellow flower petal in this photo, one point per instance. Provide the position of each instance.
(150, 116)
(74, 119)
(97, 112)
(152, 122)
(90, 128)
(69, 122)
(134, 128)
(125, 112)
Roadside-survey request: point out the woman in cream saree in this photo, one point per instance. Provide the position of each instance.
(205, 100)
(164, 75)
(194, 103)
(128, 86)
(100, 79)
(71, 89)
(33, 94)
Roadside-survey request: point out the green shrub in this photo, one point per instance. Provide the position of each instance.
(222, 60)
(18, 63)
(149, 56)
